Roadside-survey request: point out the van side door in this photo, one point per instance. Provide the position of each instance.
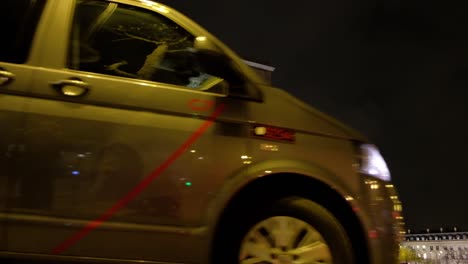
(128, 128)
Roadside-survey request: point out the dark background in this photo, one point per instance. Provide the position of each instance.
(395, 70)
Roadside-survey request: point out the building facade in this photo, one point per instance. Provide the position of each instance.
(438, 247)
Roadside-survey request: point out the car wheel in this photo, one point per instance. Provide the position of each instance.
(292, 230)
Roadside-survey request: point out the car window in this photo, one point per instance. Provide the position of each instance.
(126, 41)
(18, 19)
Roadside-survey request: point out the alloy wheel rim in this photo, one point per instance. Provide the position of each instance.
(284, 240)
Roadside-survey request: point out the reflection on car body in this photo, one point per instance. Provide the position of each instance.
(130, 133)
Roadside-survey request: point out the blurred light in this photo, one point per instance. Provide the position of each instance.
(200, 158)
(201, 38)
(70, 92)
(397, 208)
(161, 9)
(374, 186)
(247, 159)
(155, 5)
(371, 182)
(373, 234)
(75, 172)
(373, 163)
(81, 155)
(349, 198)
(268, 171)
(147, 2)
(193, 151)
(260, 131)
(188, 184)
(143, 83)
(269, 147)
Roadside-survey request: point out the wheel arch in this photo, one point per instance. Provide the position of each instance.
(268, 188)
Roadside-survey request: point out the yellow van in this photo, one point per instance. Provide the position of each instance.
(130, 134)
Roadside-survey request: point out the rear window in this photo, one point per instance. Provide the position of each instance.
(19, 19)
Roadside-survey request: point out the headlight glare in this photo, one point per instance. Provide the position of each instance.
(372, 163)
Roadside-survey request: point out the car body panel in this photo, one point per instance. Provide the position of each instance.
(121, 114)
(86, 153)
(298, 111)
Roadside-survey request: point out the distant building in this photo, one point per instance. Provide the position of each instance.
(262, 69)
(439, 247)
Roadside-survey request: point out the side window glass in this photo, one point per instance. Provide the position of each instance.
(19, 19)
(126, 41)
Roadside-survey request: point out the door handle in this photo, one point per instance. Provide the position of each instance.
(6, 77)
(71, 87)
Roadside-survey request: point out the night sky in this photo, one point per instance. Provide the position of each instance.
(397, 70)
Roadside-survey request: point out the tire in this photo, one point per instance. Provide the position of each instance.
(280, 233)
